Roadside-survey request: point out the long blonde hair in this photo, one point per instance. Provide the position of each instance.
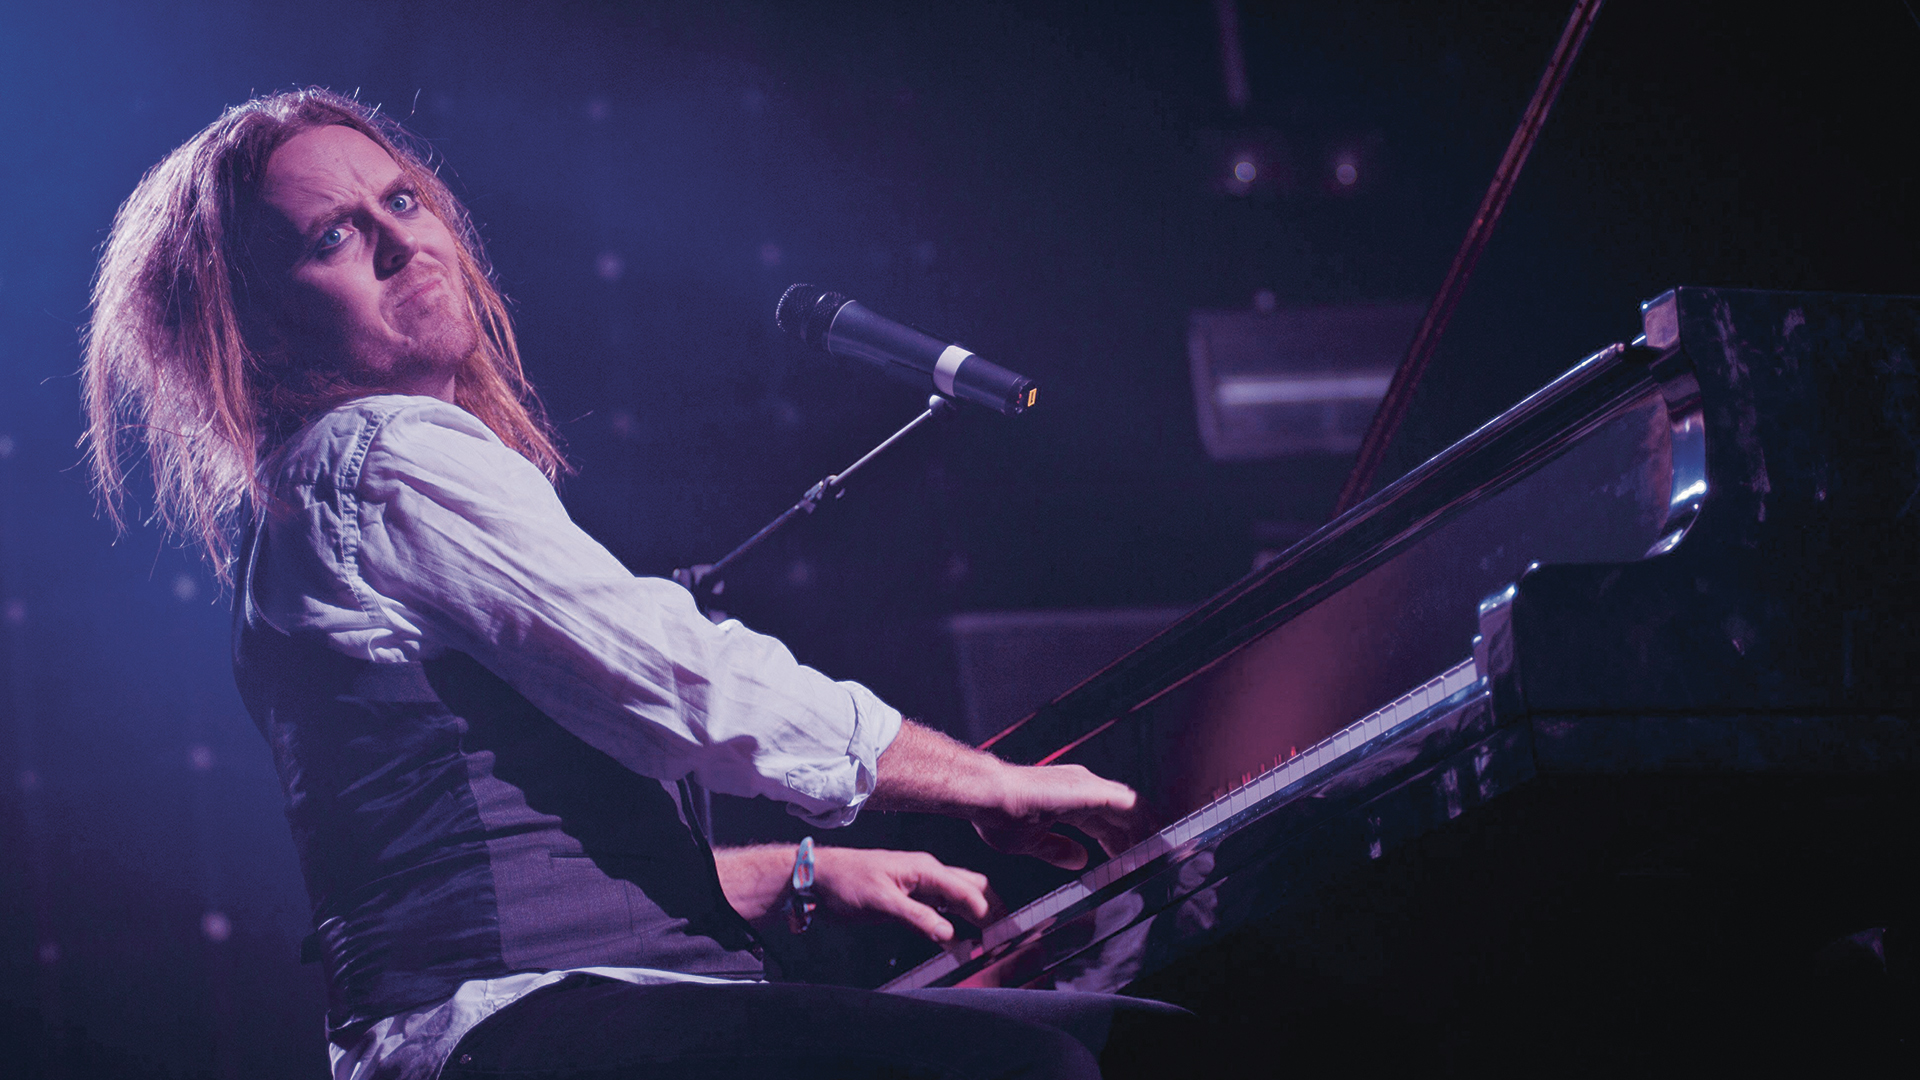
(175, 351)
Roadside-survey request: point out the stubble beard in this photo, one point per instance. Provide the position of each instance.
(439, 347)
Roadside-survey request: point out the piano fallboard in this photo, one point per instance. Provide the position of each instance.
(1427, 762)
(1182, 862)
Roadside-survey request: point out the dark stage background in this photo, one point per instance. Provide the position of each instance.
(1041, 180)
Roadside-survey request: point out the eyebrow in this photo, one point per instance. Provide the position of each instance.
(338, 212)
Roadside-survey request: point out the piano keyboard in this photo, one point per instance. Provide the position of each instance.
(1222, 816)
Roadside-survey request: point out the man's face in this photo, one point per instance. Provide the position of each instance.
(371, 280)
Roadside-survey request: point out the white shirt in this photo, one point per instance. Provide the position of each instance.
(401, 527)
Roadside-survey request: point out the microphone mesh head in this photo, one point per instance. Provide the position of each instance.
(806, 311)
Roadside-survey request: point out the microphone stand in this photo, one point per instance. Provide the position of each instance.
(704, 581)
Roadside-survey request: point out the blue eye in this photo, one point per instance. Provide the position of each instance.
(401, 202)
(332, 238)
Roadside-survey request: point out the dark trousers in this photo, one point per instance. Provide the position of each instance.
(590, 1028)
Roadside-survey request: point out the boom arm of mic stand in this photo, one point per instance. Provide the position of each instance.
(704, 579)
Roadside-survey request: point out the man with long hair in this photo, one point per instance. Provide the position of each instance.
(486, 728)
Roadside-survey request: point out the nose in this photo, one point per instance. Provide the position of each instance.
(397, 246)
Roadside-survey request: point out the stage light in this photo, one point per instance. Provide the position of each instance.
(1346, 173)
(216, 926)
(799, 573)
(625, 424)
(1246, 160)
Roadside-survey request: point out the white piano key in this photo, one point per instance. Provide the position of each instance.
(933, 969)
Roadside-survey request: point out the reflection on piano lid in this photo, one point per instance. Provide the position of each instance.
(1196, 834)
(1689, 558)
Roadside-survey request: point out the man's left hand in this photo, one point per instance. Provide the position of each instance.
(911, 886)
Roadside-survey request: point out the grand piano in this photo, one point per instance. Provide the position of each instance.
(1589, 742)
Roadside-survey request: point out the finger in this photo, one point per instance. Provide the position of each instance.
(996, 907)
(1119, 796)
(1057, 790)
(1097, 791)
(1059, 850)
(914, 914)
(1115, 833)
(955, 889)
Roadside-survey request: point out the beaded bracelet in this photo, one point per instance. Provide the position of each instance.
(802, 903)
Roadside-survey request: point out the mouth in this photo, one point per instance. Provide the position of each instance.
(420, 291)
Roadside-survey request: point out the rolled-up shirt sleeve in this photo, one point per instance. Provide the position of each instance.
(461, 543)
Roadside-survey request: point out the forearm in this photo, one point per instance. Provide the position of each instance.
(755, 879)
(1014, 807)
(925, 770)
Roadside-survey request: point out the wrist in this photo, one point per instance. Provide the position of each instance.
(756, 879)
(928, 771)
(801, 900)
(998, 790)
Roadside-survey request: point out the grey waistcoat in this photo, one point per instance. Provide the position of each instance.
(449, 830)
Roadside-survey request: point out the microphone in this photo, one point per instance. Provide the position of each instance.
(830, 321)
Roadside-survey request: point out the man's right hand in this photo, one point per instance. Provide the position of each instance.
(1038, 797)
(1013, 807)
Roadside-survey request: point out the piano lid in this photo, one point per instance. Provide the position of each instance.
(1365, 590)
(1608, 464)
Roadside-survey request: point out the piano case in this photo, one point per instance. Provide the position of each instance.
(1588, 743)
